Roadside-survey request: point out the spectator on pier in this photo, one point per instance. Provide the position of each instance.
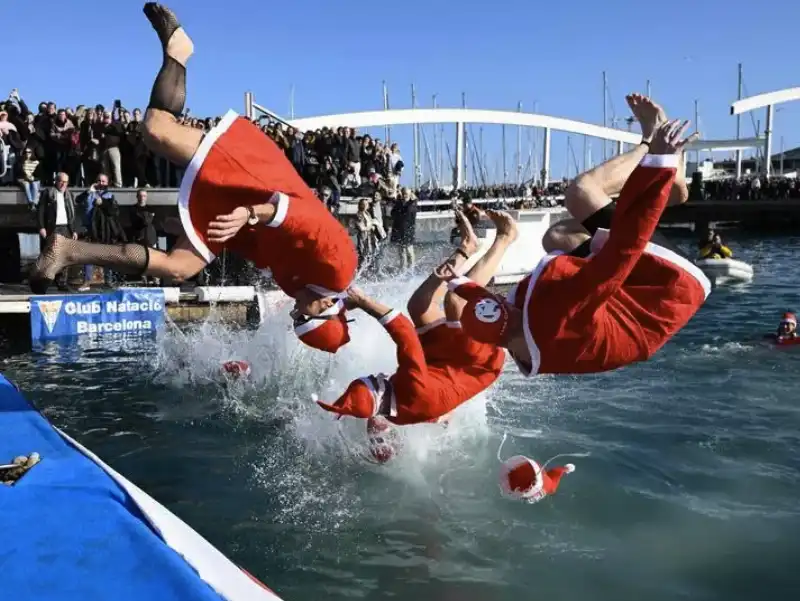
(755, 186)
(61, 141)
(86, 204)
(56, 215)
(142, 229)
(105, 224)
(110, 141)
(29, 176)
(364, 229)
(329, 178)
(404, 228)
(395, 166)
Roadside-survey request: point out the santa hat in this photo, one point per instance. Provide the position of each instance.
(328, 332)
(485, 316)
(522, 478)
(382, 439)
(361, 399)
(789, 317)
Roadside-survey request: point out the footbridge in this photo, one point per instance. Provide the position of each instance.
(462, 116)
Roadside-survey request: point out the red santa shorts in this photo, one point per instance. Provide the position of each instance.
(236, 165)
(445, 343)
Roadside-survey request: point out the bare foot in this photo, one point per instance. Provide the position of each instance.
(505, 224)
(174, 41)
(469, 241)
(649, 114)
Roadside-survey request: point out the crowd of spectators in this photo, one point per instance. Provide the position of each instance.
(750, 188)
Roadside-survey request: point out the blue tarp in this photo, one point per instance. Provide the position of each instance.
(68, 532)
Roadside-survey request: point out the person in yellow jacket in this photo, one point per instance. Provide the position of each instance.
(715, 249)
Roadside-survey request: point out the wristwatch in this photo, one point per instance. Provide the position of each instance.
(252, 218)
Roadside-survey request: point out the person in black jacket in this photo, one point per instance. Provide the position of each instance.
(142, 229)
(56, 215)
(404, 228)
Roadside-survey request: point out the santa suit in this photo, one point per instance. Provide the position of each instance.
(438, 369)
(237, 165)
(620, 305)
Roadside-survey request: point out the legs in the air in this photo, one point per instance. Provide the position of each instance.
(164, 136)
(424, 306)
(483, 271)
(591, 192)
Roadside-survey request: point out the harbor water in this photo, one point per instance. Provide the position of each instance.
(689, 490)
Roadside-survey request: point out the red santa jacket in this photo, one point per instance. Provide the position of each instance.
(418, 391)
(620, 305)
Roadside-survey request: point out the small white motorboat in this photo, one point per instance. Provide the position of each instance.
(725, 271)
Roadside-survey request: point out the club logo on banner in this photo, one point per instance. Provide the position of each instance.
(128, 310)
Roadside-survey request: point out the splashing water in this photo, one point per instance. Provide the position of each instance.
(311, 462)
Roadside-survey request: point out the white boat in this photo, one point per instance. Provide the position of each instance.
(726, 271)
(79, 530)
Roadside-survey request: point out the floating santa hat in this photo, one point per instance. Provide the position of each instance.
(236, 369)
(789, 317)
(522, 478)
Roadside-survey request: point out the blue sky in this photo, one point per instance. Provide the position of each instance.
(336, 54)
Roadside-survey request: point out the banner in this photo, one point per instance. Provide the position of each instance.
(128, 310)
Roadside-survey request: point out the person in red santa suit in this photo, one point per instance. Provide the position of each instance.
(439, 367)
(619, 305)
(238, 192)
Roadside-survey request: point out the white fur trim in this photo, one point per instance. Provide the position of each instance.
(526, 324)
(386, 319)
(313, 324)
(379, 393)
(602, 235)
(791, 321)
(324, 292)
(458, 281)
(660, 161)
(281, 202)
(430, 326)
(514, 462)
(570, 467)
(192, 169)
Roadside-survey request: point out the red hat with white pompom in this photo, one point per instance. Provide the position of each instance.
(524, 479)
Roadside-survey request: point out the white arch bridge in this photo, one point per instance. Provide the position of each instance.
(463, 116)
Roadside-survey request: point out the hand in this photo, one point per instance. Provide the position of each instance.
(43, 233)
(506, 227)
(225, 227)
(668, 138)
(355, 296)
(74, 236)
(445, 272)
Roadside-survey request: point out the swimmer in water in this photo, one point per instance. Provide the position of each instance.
(787, 328)
(618, 305)
(439, 367)
(239, 192)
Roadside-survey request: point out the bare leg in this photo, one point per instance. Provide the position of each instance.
(483, 271)
(592, 190)
(162, 133)
(164, 136)
(424, 306)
